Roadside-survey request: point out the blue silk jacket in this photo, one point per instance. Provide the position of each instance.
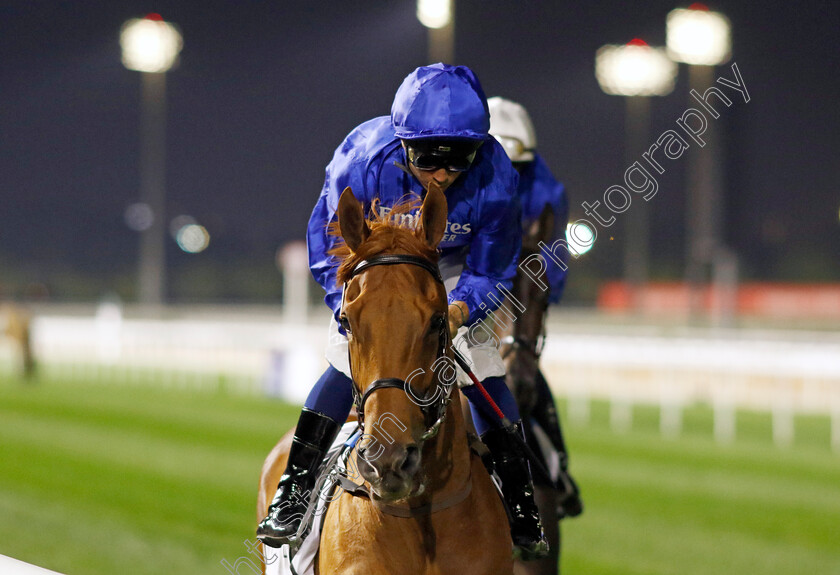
(484, 221)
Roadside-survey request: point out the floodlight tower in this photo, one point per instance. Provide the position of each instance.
(701, 38)
(438, 16)
(635, 71)
(151, 46)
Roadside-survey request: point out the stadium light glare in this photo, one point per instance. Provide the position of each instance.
(698, 36)
(634, 69)
(434, 13)
(579, 237)
(139, 216)
(193, 238)
(150, 44)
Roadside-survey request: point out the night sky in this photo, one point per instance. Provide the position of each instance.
(265, 91)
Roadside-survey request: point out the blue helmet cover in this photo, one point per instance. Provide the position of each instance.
(440, 101)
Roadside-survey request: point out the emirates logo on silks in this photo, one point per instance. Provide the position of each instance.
(453, 229)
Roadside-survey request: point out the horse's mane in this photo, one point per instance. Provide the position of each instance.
(396, 231)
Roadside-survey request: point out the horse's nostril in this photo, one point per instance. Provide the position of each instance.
(411, 461)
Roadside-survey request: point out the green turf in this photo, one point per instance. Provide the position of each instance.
(690, 506)
(128, 479)
(98, 479)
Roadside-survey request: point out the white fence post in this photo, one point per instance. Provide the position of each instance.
(579, 412)
(835, 421)
(723, 406)
(621, 409)
(783, 415)
(670, 408)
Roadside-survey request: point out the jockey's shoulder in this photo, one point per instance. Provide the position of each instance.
(366, 141)
(537, 179)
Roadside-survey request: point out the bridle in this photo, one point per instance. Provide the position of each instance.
(518, 343)
(534, 347)
(434, 412)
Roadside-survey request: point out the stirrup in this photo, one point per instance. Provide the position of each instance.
(275, 531)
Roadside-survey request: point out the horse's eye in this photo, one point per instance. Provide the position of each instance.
(345, 323)
(437, 323)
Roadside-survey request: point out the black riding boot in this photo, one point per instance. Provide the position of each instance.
(569, 502)
(518, 492)
(314, 435)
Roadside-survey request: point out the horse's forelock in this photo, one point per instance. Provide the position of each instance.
(390, 232)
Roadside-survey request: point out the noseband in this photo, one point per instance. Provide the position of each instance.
(433, 411)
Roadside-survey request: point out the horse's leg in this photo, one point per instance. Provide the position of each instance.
(546, 499)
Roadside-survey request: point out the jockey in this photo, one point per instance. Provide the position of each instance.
(438, 130)
(511, 125)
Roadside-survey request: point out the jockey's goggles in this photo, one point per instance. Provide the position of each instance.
(433, 155)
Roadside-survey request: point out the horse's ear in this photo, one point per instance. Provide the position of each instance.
(434, 211)
(542, 230)
(351, 220)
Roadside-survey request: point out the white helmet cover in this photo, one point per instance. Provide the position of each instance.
(511, 125)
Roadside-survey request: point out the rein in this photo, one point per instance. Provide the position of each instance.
(532, 345)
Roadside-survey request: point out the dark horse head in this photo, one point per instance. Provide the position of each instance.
(523, 339)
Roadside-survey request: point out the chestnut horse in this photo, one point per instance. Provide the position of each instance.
(433, 509)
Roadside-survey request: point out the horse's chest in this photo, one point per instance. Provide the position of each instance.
(358, 540)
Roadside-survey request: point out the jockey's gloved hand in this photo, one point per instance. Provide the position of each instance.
(458, 314)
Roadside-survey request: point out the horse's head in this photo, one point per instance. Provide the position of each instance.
(522, 353)
(394, 313)
(539, 232)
